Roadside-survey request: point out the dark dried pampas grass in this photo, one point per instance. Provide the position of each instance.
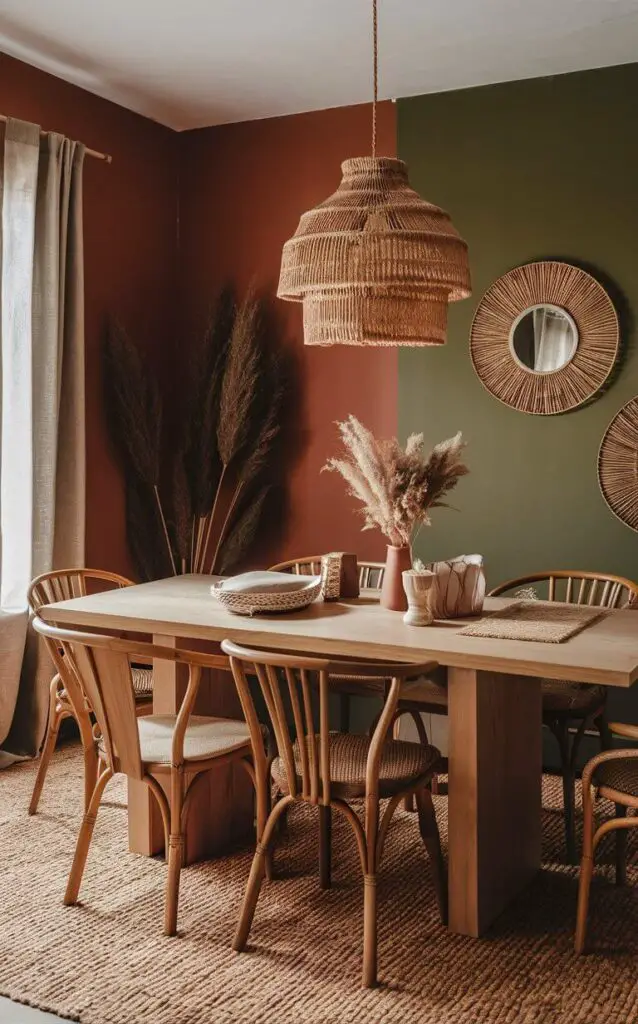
(134, 416)
(134, 399)
(226, 457)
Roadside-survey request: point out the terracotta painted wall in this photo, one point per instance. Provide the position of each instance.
(172, 219)
(243, 188)
(130, 220)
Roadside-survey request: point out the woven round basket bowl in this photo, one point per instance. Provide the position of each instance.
(267, 602)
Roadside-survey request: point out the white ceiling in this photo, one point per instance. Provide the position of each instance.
(189, 63)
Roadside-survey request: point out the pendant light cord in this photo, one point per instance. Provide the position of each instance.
(375, 34)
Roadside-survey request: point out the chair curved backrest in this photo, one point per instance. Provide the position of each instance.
(101, 665)
(65, 584)
(287, 679)
(370, 573)
(596, 589)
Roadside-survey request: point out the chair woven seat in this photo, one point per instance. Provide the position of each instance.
(430, 690)
(620, 773)
(426, 690)
(142, 685)
(205, 737)
(142, 682)
(401, 764)
(576, 698)
(356, 684)
(557, 695)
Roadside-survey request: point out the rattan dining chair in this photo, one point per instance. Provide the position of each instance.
(167, 752)
(65, 701)
(568, 706)
(565, 704)
(347, 685)
(370, 577)
(614, 775)
(329, 770)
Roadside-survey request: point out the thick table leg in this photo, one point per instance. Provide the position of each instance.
(494, 801)
(222, 809)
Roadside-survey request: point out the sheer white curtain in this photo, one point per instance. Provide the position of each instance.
(553, 340)
(42, 462)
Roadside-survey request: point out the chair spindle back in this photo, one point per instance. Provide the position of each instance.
(585, 588)
(284, 679)
(65, 584)
(370, 573)
(101, 666)
(288, 677)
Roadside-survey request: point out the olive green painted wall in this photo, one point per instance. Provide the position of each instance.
(546, 168)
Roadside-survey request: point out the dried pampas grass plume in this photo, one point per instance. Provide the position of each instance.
(397, 486)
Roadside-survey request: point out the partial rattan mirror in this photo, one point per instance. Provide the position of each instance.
(544, 338)
(618, 465)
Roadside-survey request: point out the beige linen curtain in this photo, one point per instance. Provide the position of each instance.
(42, 447)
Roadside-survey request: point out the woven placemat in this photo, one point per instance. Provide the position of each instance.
(545, 621)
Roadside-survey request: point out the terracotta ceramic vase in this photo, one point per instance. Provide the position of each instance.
(392, 592)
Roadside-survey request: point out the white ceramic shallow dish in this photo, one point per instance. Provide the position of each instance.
(265, 592)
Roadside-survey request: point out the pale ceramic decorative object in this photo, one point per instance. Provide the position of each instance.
(418, 586)
(460, 587)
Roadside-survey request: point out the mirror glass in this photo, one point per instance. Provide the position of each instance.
(544, 338)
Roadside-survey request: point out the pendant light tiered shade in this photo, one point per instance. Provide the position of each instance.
(375, 264)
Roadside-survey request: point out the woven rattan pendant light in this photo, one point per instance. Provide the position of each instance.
(374, 264)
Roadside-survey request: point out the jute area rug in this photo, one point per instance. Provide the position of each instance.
(107, 962)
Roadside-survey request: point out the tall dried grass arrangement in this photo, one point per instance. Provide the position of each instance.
(397, 486)
(134, 412)
(209, 505)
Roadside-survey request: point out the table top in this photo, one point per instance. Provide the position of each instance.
(606, 652)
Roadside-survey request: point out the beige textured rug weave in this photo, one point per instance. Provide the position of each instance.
(107, 962)
(547, 621)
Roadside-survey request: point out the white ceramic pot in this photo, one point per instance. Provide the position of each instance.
(418, 590)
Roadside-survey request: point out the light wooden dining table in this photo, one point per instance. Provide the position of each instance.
(494, 707)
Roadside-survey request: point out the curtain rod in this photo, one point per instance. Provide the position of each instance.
(89, 152)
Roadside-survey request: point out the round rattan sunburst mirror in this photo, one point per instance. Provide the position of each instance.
(544, 338)
(618, 465)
